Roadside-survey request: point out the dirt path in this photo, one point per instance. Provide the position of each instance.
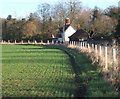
(80, 90)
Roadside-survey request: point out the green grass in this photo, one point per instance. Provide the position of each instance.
(90, 76)
(46, 71)
(36, 71)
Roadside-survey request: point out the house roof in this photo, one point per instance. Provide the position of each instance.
(65, 28)
(79, 34)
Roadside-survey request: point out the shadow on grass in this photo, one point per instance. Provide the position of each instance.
(80, 87)
(39, 61)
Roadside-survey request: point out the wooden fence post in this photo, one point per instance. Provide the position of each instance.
(22, 41)
(42, 41)
(9, 41)
(113, 62)
(52, 42)
(72, 43)
(106, 58)
(88, 47)
(85, 44)
(15, 41)
(47, 42)
(100, 50)
(93, 46)
(96, 52)
(80, 44)
(28, 42)
(114, 58)
(35, 42)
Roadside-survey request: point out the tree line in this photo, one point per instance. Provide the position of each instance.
(47, 20)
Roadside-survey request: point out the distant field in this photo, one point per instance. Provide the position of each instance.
(33, 71)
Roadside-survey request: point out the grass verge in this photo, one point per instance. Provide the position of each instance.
(89, 78)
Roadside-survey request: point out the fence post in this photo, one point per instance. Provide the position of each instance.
(100, 50)
(35, 42)
(114, 57)
(106, 58)
(42, 41)
(9, 41)
(114, 61)
(28, 41)
(93, 46)
(85, 44)
(22, 41)
(88, 47)
(47, 42)
(70, 42)
(81, 45)
(96, 52)
(73, 43)
(52, 42)
(15, 41)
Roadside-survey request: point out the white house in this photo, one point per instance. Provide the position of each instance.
(66, 31)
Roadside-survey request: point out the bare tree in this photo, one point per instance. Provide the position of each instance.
(44, 14)
(74, 7)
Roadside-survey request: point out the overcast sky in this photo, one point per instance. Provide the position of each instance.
(22, 8)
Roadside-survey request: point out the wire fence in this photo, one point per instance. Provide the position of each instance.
(108, 57)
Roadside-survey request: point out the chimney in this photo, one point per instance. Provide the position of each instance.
(67, 21)
(78, 26)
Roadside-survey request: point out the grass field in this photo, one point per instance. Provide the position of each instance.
(33, 71)
(90, 78)
(50, 71)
